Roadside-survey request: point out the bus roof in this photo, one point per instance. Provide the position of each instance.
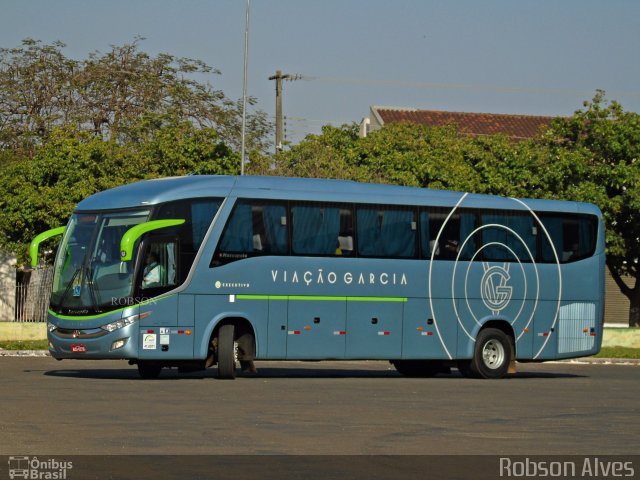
(152, 192)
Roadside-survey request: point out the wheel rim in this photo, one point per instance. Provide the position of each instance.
(493, 354)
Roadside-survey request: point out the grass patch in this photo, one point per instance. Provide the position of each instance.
(619, 352)
(24, 344)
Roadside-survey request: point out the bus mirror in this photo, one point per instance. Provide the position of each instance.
(134, 233)
(35, 243)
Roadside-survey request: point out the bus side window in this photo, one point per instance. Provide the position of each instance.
(573, 238)
(316, 230)
(508, 236)
(255, 228)
(386, 232)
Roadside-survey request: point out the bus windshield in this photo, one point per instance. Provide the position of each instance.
(88, 275)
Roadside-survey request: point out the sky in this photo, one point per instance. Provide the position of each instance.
(530, 57)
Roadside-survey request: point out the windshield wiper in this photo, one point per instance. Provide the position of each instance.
(66, 290)
(92, 291)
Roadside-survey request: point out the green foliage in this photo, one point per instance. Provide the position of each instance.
(329, 155)
(24, 345)
(598, 153)
(70, 128)
(619, 352)
(401, 153)
(40, 193)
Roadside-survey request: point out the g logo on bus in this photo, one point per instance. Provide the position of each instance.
(495, 292)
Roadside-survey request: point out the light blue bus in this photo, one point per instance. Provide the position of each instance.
(197, 271)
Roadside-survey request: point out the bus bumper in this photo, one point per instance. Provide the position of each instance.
(94, 343)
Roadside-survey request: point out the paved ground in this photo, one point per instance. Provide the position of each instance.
(88, 407)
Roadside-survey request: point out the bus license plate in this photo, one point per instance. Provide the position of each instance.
(78, 348)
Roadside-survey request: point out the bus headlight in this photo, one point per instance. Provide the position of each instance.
(119, 343)
(51, 327)
(123, 322)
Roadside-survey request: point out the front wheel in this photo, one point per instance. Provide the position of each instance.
(227, 353)
(492, 355)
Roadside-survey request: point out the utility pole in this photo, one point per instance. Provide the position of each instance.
(279, 77)
(244, 87)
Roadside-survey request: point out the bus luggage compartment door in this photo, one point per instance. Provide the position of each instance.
(374, 329)
(316, 329)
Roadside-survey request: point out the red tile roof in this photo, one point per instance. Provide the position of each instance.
(517, 127)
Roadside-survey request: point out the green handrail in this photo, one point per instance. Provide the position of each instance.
(130, 236)
(35, 243)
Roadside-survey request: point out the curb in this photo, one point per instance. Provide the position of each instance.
(600, 361)
(24, 353)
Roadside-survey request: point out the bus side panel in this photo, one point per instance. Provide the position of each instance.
(277, 330)
(160, 337)
(316, 329)
(186, 310)
(571, 327)
(426, 336)
(374, 329)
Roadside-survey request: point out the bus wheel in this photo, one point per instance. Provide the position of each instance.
(226, 353)
(149, 371)
(492, 355)
(418, 368)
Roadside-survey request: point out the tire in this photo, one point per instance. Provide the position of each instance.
(226, 353)
(149, 371)
(418, 368)
(492, 355)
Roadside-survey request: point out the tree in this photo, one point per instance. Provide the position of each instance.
(597, 158)
(70, 128)
(40, 193)
(124, 95)
(400, 153)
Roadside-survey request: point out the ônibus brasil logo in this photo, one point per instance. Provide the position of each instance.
(495, 292)
(34, 468)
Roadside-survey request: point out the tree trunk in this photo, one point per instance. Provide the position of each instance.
(634, 308)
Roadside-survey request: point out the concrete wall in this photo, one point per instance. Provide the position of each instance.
(616, 308)
(22, 331)
(621, 337)
(7, 286)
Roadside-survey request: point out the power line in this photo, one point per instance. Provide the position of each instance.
(462, 86)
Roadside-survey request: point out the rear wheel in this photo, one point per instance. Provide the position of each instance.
(149, 371)
(491, 357)
(226, 353)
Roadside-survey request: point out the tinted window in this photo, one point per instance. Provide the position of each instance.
(508, 236)
(321, 229)
(386, 232)
(254, 228)
(198, 215)
(443, 239)
(573, 237)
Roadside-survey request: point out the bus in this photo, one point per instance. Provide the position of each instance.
(197, 271)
